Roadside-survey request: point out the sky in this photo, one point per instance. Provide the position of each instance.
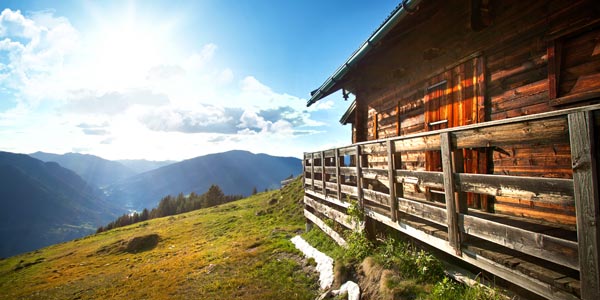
(172, 80)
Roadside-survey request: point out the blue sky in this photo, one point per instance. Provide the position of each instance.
(175, 79)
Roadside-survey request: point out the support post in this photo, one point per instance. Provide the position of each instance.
(585, 187)
(337, 174)
(312, 171)
(359, 189)
(304, 170)
(323, 174)
(309, 225)
(449, 190)
(392, 180)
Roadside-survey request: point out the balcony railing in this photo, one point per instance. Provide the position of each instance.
(372, 174)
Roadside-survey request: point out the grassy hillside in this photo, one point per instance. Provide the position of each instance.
(238, 250)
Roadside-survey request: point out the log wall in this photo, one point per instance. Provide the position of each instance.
(531, 57)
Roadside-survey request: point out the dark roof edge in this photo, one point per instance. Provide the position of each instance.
(349, 111)
(405, 7)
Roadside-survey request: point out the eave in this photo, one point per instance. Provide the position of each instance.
(329, 86)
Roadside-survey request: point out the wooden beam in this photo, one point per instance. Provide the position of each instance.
(328, 199)
(554, 52)
(323, 175)
(377, 197)
(347, 151)
(348, 171)
(570, 99)
(330, 170)
(312, 171)
(328, 230)
(585, 185)
(534, 132)
(423, 178)
(418, 143)
(449, 190)
(331, 213)
(547, 190)
(337, 174)
(557, 250)
(460, 196)
(422, 210)
(392, 182)
(304, 170)
(359, 190)
(329, 153)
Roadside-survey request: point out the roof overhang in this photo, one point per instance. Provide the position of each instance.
(347, 117)
(329, 86)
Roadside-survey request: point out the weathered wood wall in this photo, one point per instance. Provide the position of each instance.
(534, 56)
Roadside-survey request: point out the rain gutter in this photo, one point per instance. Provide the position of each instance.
(406, 7)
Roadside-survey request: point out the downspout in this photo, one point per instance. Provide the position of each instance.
(406, 7)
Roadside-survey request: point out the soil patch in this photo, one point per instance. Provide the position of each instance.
(134, 245)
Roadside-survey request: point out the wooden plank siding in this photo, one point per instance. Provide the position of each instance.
(551, 62)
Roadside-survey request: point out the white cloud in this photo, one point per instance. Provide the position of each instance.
(34, 50)
(89, 102)
(208, 118)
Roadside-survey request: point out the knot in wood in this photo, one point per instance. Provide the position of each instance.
(580, 163)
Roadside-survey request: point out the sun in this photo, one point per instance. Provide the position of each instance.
(124, 45)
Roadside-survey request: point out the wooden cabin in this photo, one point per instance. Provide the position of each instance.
(488, 103)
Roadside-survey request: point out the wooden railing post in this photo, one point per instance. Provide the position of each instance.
(337, 174)
(585, 185)
(312, 171)
(453, 203)
(392, 180)
(359, 189)
(304, 170)
(323, 174)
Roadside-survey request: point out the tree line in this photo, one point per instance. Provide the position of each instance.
(170, 205)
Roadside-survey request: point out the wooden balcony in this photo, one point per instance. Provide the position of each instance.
(553, 260)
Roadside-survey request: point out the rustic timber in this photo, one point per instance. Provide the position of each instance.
(392, 183)
(331, 213)
(550, 190)
(328, 230)
(337, 174)
(359, 183)
(557, 250)
(327, 198)
(570, 99)
(422, 210)
(585, 185)
(449, 189)
(312, 171)
(323, 175)
(377, 197)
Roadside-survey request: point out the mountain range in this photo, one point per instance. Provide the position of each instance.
(44, 203)
(70, 195)
(142, 165)
(97, 170)
(236, 172)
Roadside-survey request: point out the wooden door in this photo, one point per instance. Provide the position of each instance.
(456, 98)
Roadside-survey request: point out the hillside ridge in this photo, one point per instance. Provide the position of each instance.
(239, 250)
